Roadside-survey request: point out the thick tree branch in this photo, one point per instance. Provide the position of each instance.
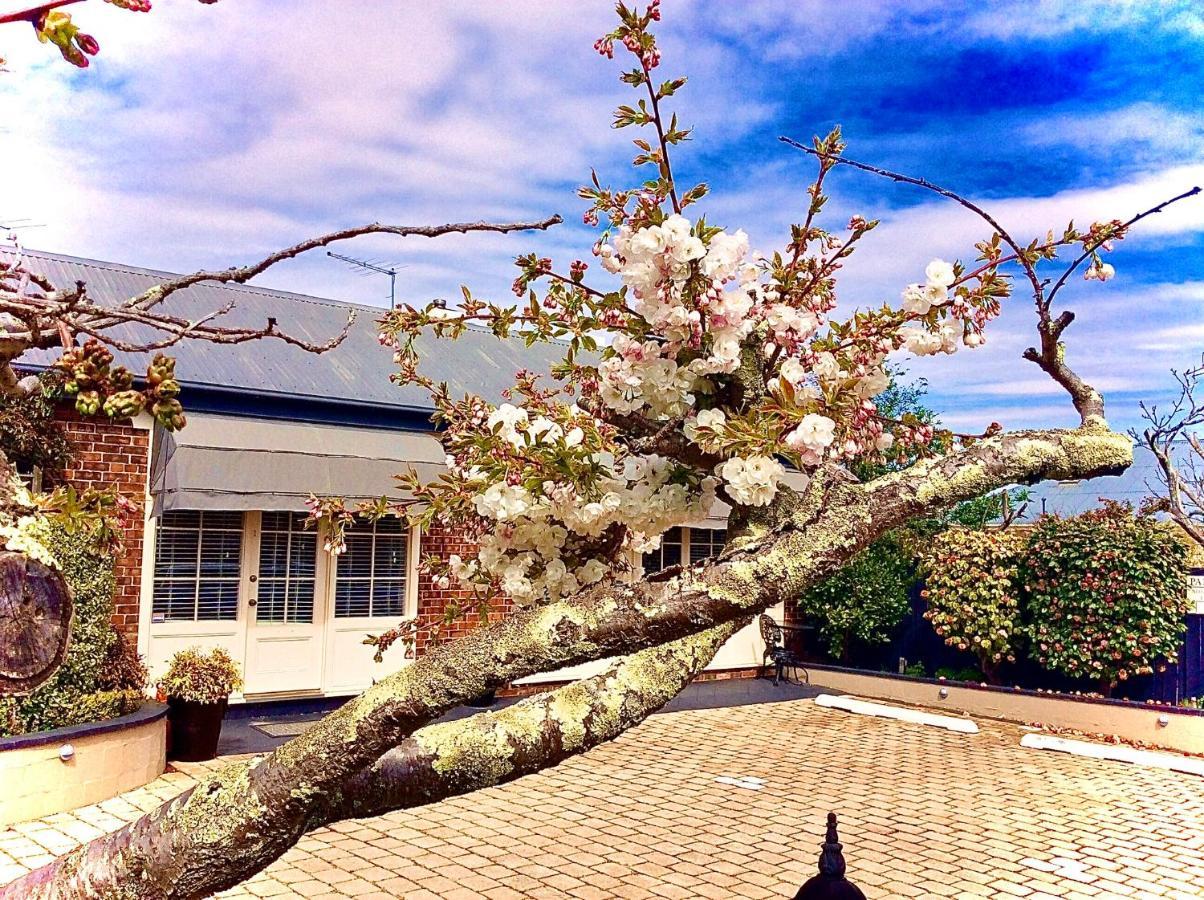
(446, 760)
(250, 814)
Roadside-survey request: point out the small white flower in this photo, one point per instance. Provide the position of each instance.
(939, 273)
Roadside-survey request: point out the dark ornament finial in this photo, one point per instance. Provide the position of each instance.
(830, 883)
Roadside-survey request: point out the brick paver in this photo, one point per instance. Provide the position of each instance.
(924, 813)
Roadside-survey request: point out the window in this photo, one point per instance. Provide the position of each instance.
(371, 576)
(705, 543)
(198, 558)
(30, 476)
(668, 554)
(287, 564)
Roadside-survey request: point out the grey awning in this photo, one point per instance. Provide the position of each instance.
(227, 462)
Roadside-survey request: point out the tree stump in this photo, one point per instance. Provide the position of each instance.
(35, 622)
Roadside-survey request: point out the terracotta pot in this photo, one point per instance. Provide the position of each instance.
(194, 729)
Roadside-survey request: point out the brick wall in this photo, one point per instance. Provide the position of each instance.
(433, 601)
(114, 455)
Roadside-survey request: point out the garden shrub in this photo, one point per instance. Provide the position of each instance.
(1107, 594)
(970, 586)
(198, 677)
(86, 687)
(966, 673)
(865, 599)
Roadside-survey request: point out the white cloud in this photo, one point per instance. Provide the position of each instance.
(206, 135)
(1137, 127)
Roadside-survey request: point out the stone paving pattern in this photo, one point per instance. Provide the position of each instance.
(924, 813)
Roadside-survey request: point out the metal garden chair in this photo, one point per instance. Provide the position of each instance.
(780, 655)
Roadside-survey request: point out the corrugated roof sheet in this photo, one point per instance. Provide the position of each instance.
(358, 369)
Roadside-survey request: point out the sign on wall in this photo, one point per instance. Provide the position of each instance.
(1195, 591)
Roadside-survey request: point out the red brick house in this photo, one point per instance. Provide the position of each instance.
(223, 559)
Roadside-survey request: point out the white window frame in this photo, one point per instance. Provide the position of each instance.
(288, 579)
(687, 544)
(197, 579)
(637, 560)
(409, 579)
(682, 545)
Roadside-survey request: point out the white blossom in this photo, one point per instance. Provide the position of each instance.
(752, 481)
(814, 432)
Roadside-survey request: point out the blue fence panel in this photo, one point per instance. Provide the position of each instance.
(1191, 659)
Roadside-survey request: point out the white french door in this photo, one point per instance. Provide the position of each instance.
(285, 609)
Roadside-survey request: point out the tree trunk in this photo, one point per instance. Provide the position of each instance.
(36, 605)
(249, 814)
(35, 622)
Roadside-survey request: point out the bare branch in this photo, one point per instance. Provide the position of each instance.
(160, 292)
(1086, 254)
(1051, 356)
(1015, 247)
(1170, 434)
(33, 13)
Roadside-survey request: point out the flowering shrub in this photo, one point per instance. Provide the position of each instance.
(694, 367)
(866, 599)
(973, 599)
(196, 677)
(1107, 594)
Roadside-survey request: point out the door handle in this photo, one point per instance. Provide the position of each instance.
(252, 602)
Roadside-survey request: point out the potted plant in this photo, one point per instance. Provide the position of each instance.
(197, 686)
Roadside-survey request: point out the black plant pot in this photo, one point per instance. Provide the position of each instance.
(484, 701)
(194, 729)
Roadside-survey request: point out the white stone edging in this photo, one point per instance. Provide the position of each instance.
(1116, 752)
(899, 713)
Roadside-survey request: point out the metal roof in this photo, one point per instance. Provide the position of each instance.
(357, 370)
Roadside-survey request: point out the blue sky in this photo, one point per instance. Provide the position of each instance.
(205, 135)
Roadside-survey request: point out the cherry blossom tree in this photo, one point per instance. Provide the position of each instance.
(693, 371)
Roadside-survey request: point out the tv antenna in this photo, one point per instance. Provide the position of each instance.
(370, 266)
(18, 224)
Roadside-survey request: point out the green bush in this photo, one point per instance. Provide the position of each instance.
(965, 674)
(84, 688)
(865, 599)
(973, 602)
(199, 677)
(1106, 593)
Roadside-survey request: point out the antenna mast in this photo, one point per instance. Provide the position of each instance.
(391, 271)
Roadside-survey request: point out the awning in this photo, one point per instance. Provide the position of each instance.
(228, 462)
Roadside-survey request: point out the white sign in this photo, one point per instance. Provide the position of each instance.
(1195, 592)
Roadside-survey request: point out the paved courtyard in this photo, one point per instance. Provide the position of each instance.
(924, 813)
